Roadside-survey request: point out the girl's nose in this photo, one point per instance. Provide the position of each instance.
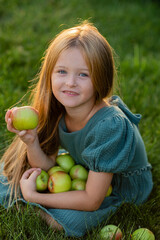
(71, 81)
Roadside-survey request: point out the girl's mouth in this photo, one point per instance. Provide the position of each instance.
(70, 93)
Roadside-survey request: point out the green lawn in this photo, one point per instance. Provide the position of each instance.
(133, 30)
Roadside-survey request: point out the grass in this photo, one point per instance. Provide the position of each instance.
(132, 29)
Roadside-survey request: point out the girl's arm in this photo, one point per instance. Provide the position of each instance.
(88, 200)
(36, 157)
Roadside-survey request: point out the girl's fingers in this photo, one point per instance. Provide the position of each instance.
(22, 133)
(10, 127)
(7, 116)
(35, 174)
(29, 172)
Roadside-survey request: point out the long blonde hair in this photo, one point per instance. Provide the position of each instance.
(98, 56)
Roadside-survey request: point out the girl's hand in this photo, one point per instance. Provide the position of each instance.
(27, 136)
(9, 121)
(28, 183)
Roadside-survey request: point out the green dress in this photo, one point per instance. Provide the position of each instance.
(110, 142)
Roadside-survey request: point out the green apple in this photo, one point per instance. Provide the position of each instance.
(42, 181)
(78, 184)
(58, 182)
(65, 161)
(24, 118)
(143, 234)
(78, 171)
(109, 191)
(110, 232)
(54, 169)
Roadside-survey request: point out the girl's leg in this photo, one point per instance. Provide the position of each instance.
(50, 221)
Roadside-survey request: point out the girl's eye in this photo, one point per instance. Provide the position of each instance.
(62, 71)
(83, 75)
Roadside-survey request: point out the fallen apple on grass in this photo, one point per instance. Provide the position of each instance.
(58, 182)
(24, 118)
(110, 232)
(78, 184)
(65, 161)
(54, 169)
(142, 234)
(78, 171)
(42, 181)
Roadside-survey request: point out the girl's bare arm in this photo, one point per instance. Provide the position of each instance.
(36, 157)
(88, 200)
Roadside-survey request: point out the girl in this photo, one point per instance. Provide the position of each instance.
(76, 111)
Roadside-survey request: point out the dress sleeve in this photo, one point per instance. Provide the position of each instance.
(110, 147)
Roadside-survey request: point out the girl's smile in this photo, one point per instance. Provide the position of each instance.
(70, 93)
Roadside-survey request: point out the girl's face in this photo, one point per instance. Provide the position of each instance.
(71, 81)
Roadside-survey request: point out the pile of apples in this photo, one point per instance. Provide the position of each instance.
(110, 232)
(65, 176)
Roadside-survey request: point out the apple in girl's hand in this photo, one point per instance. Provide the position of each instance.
(42, 181)
(78, 184)
(78, 171)
(54, 169)
(24, 118)
(143, 234)
(59, 182)
(65, 161)
(110, 232)
(109, 191)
